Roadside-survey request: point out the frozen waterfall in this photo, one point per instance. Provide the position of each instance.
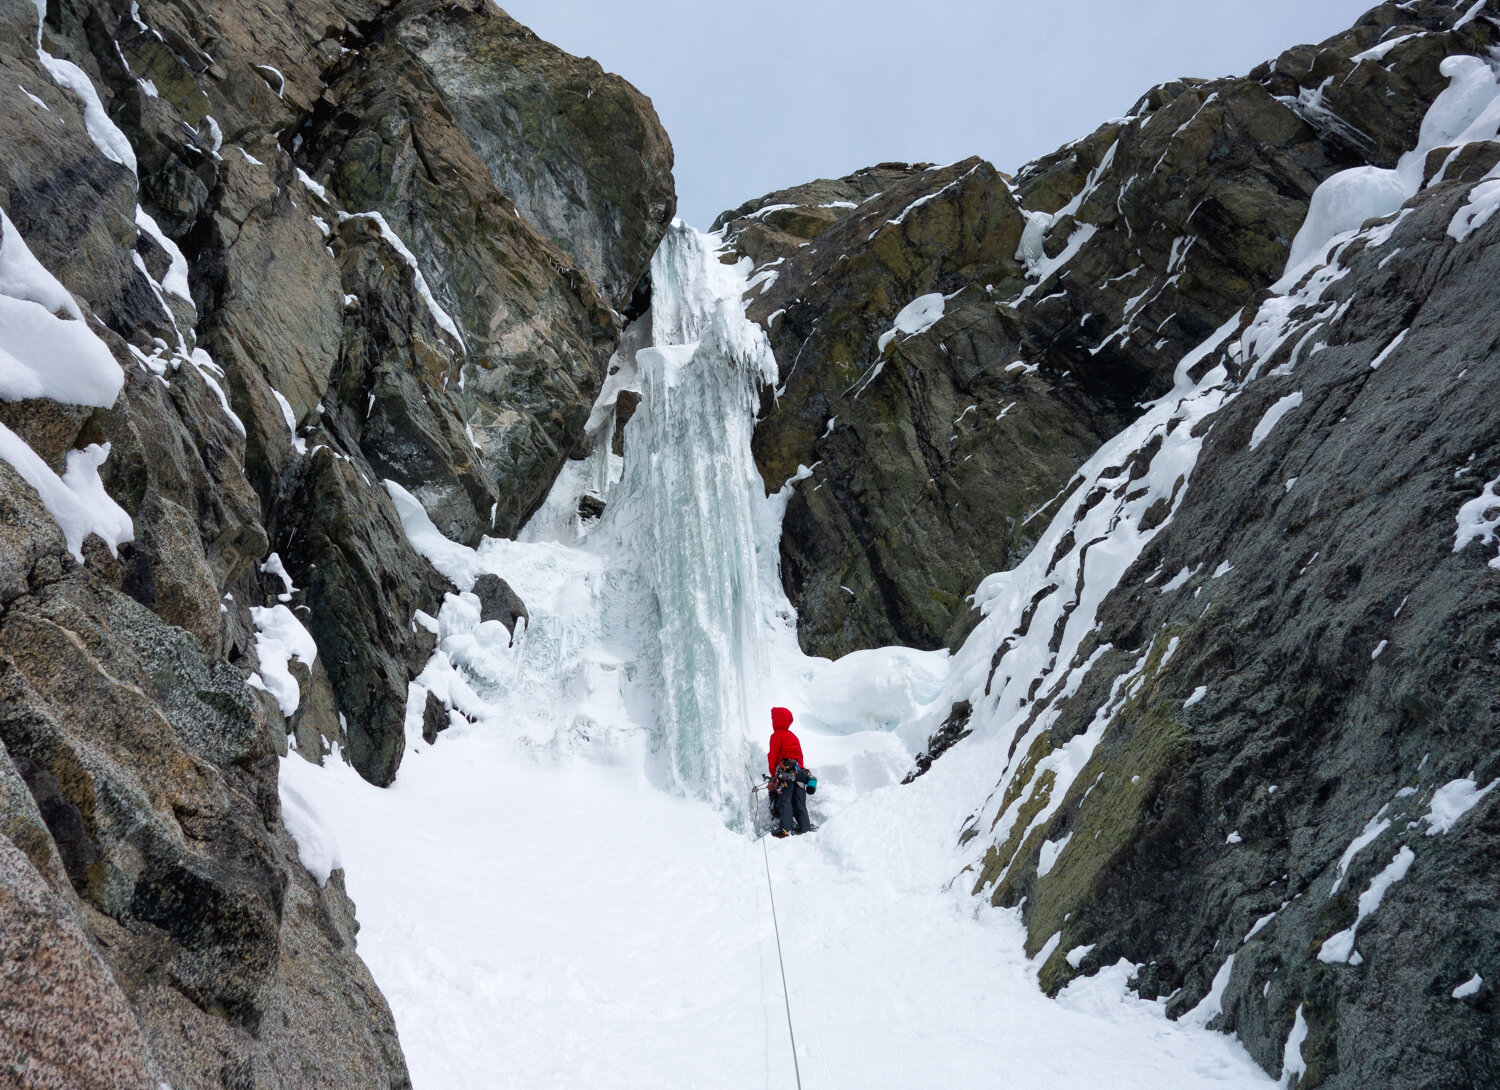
(660, 633)
(683, 512)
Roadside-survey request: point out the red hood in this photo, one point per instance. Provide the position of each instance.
(781, 718)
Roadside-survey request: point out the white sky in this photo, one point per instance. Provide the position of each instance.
(765, 94)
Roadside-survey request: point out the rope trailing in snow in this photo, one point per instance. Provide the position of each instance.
(785, 997)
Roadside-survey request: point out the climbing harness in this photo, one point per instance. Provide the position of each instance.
(787, 773)
(796, 1068)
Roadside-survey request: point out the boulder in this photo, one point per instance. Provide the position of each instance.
(590, 506)
(497, 602)
(434, 718)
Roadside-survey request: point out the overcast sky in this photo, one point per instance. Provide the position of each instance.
(762, 94)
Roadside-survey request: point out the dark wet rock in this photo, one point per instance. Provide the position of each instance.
(393, 392)
(316, 725)
(434, 719)
(954, 729)
(340, 548)
(498, 602)
(866, 546)
(625, 406)
(590, 507)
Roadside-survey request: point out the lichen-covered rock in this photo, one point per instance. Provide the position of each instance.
(138, 784)
(577, 150)
(777, 225)
(64, 1022)
(1343, 658)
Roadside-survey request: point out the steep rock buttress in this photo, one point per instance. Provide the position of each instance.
(304, 252)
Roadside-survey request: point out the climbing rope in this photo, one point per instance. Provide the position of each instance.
(787, 999)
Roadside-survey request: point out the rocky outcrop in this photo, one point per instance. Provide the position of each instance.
(1334, 666)
(416, 320)
(591, 169)
(1265, 774)
(937, 439)
(498, 602)
(337, 249)
(159, 927)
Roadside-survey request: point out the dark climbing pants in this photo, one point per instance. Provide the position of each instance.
(789, 805)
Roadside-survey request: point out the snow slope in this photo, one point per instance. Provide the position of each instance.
(562, 892)
(562, 923)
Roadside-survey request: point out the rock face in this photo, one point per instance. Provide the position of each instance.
(340, 250)
(158, 925)
(1287, 702)
(1335, 667)
(1068, 292)
(465, 375)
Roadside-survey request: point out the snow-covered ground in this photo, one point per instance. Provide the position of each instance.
(563, 890)
(563, 923)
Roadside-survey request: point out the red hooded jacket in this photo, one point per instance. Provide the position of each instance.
(784, 743)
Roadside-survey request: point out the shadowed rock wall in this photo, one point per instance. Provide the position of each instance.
(1071, 291)
(409, 229)
(1336, 664)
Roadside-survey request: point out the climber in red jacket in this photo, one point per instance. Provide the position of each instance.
(788, 777)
